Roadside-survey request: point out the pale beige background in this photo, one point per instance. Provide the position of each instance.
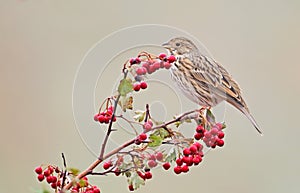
(42, 43)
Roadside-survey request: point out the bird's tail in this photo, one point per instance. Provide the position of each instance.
(251, 118)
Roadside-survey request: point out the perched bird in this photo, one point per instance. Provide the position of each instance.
(202, 79)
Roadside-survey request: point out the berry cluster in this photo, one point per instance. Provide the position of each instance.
(105, 116)
(48, 173)
(192, 156)
(83, 186)
(213, 137)
(150, 66)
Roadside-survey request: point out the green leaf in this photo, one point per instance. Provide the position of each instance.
(210, 117)
(163, 133)
(74, 171)
(82, 183)
(139, 115)
(125, 87)
(156, 140)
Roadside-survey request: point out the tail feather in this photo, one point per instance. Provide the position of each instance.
(251, 118)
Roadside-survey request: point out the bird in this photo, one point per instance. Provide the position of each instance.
(202, 79)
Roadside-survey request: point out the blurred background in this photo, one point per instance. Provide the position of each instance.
(43, 42)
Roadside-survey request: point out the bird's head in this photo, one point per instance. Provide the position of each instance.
(180, 46)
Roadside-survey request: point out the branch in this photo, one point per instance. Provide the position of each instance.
(126, 144)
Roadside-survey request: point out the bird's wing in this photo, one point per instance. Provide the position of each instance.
(209, 71)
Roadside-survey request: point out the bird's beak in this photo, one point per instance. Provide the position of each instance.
(166, 45)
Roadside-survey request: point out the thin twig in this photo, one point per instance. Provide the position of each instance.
(109, 130)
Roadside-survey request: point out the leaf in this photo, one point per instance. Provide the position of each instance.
(171, 157)
(163, 133)
(210, 117)
(125, 87)
(156, 140)
(126, 103)
(139, 115)
(82, 183)
(74, 171)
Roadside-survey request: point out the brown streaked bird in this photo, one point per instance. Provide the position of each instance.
(202, 79)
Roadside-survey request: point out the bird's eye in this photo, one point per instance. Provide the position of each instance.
(177, 44)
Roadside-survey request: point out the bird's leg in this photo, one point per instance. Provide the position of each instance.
(203, 115)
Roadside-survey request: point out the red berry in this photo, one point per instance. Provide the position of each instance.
(159, 156)
(57, 170)
(140, 71)
(162, 56)
(54, 179)
(207, 134)
(130, 187)
(166, 165)
(193, 149)
(177, 169)
(117, 172)
(148, 175)
(141, 175)
(143, 85)
(199, 146)
(39, 170)
(136, 87)
(96, 117)
(152, 163)
(152, 157)
(221, 135)
(132, 61)
(185, 159)
(96, 190)
(167, 65)
(150, 122)
(107, 165)
(197, 160)
(58, 183)
(200, 129)
(137, 60)
(185, 169)
(41, 177)
(214, 131)
(179, 162)
(54, 185)
(220, 126)
(47, 173)
(107, 119)
(186, 152)
(220, 142)
(147, 126)
(171, 59)
(146, 66)
(101, 118)
(188, 160)
(109, 112)
(142, 136)
(151, 69)
(49, 179)
(156, 65)
(50, 168)
(198, 136)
